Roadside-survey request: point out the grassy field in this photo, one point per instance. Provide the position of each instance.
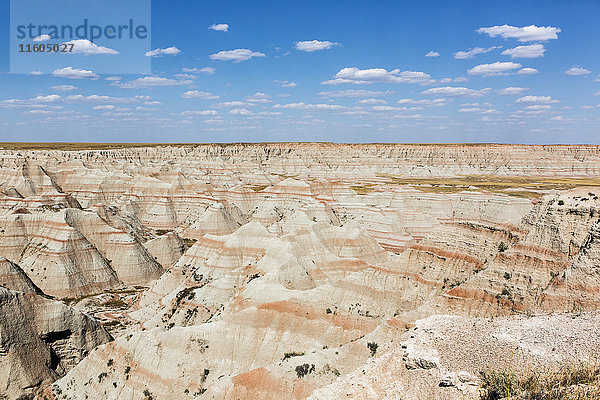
(526, 187)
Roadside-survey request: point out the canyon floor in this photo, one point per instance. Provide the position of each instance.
(294, 270)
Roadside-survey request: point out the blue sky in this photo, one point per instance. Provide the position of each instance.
(341, 71)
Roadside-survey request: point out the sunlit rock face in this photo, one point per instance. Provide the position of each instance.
(284, 270)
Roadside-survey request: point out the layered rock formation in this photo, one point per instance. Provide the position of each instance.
(263, 271)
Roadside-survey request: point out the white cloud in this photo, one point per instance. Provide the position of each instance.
(36, 73)
(94, 98)
(354, 93)
(285, 83)
(195, 94)
(314, 45)
(434, 102)
(457, 91)
(236, 55)
(63, 88)
(537, 99)
(204, 70)
(105, 108)
(258, 98)
(151, 82)
(236, 103)
(52, 98)
(169, 51)
(531, 51)
(524, 34)
(84, 46)
(371, 101)
(219, 27)
(497, 68)
(185, 76)
(512, 90)
(576, 71)
(378, 75)
(42, 38)
(240, 111)
(597, 93)
(538, 107)
(74, 73)
(527, 71)
(432, 54)
(112, 78)
(462, 55)
(303, 106)
(199, 113)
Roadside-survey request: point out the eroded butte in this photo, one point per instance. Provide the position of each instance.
(294, 271)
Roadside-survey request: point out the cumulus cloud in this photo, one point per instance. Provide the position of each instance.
(371, 101)
(524, 34)
(219, 27)
(531, 51)
(304, 106)
(314, 45)
(378, 75)
(236, 55)
(63, 88)
(74, 73)
(538, 107)
(258, 98)
(152, 82)
(497, 68)
(198, 113)
(354, 93)
(112, 78)
(204, 70)
(84, 46)
(461, 55)
(285, 83)
(169, 51)
(42, 38)
(537, 99)
(432, 54)
(36, 73)
(105, 108)
(576, 71)
(95, 98)
(456, 91)
(527, 71)
(240, 111)
(512, 90)
(195, 94)
(427, 103)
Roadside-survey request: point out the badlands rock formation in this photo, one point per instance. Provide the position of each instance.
(299, 271)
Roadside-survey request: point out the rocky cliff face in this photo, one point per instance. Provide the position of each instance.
(40, 340)
(244, 271)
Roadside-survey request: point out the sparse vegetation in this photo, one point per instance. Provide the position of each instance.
(502, 247)
(362, 189)
(115, 303)
(561, 202)
(189, 242)
(161, 232)
(372, 348)
(507, 275)
(571, 382)
(292, 354)
(304, 369)
(524, 187)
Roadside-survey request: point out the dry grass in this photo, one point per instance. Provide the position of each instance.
(571, 382)
(362, 189)
(526, 187)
